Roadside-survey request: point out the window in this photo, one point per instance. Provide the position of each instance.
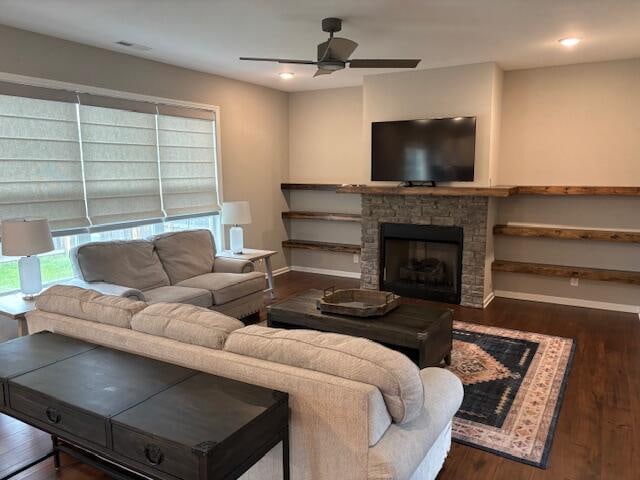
(101, 168)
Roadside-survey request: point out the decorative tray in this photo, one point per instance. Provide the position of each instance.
(357, 302)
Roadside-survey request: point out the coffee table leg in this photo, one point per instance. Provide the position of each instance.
(447, 359)
(56, 452)
(286, 474)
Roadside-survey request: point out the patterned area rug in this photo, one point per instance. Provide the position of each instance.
(513, 383)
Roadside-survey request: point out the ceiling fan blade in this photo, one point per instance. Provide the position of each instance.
(384, 63)
(336, 48)
(279, 60)
(322, 71)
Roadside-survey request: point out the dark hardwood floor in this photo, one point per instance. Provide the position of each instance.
(598, 433)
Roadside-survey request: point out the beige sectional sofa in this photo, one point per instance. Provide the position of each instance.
(177, 267)
(358, 410)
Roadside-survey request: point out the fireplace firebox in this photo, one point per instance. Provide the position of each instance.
(421, 261)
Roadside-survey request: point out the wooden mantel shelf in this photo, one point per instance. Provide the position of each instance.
(496, 191)
(429, 191)
(603, 275)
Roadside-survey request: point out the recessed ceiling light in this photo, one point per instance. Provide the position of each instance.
(286, 75)
(570, 41)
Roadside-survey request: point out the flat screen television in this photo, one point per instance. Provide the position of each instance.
(428, 150)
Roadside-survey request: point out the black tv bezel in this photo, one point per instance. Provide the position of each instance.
(427, 180)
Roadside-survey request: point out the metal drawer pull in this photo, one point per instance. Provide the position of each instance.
(153, 454)
(53, 415)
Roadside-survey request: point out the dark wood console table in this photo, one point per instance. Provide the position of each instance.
(134, 417)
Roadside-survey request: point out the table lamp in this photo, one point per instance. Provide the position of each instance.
(236, 214)
(26, 238)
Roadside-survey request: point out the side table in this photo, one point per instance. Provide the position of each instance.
(14, 307)
(255, 256)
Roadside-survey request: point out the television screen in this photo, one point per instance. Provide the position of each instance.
(438, 150)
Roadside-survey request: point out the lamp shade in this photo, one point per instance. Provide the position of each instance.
(22, 237)
(236, 213)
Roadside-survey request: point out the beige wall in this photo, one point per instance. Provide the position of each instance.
(325, 135)
(572, 125)
(467, 90)
(254, 119)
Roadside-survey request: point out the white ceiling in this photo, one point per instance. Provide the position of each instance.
(211, 35)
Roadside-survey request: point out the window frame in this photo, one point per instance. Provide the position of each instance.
(76, 88)
(92, 90)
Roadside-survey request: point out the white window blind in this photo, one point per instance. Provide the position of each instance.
(120, 165)
(83, 160)
(186, 149)
(40, 169)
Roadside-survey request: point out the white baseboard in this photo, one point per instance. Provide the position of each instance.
(325, 271)
(488, 299)
(280, 271)
(574, 302)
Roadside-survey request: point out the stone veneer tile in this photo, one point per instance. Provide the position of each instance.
(470, 213)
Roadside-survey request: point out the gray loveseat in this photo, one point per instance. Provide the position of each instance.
(175, 267)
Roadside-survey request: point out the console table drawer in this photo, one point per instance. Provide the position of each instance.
(58, 416)
(166, 457)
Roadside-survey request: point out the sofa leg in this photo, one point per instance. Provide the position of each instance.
(251, 319)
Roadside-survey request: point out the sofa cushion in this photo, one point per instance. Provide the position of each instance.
(185, 254)
(175, 294)
(359, 359)
(186, 323)
(226, 287)
(88, 305)
(132, 263)
(397, 455)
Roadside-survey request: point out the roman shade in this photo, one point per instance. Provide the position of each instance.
(41, 171)
(186, 151)
(92, 162)
(120, 165)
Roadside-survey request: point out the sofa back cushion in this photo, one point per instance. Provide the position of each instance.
(186, 323)
(130, 263)
(185, 254)
(359, 359)
(89, 305)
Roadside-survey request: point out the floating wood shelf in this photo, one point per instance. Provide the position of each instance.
(323, 246)
(496, 191)
(566, 190)
(568, 233)
(310, 186)
(619, 276)
(429, 191)
(336, 217)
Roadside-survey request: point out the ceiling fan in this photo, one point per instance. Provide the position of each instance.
(334, 54)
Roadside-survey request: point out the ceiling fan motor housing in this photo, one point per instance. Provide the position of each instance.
(331, 25)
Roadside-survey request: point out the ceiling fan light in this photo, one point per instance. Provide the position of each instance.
(286, 75)
(570, 41)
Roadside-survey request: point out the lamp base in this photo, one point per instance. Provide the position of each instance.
(30, 277)
(236, 239)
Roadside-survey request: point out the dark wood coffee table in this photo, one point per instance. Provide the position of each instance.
(424, 333)
(131, 416)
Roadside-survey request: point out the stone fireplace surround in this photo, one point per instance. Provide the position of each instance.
(468, 212)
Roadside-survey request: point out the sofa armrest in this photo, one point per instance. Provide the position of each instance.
(232, 265)
(107, 288)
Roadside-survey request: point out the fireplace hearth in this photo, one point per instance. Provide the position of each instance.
(421, 261)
